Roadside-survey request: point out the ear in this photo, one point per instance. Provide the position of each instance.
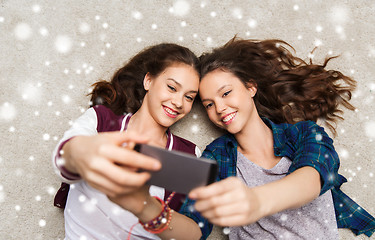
(252, 89)
(147, 81)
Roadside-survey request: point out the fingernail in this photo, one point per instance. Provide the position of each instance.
(156, 166)
(192, 195)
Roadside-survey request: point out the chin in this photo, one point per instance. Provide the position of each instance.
(169, 121)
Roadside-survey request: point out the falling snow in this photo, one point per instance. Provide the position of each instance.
(180, 8)
(23, 31)
(370, 129)
(7, 111)
(51, 59)
(226, 230)
(63, 44)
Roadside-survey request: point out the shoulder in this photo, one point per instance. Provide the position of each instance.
(107, 120)
(308, 132)
(222, 141)
(307, 128)
(221, 146)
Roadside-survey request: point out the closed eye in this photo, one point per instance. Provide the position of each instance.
(172, 88)
(189, 98)
(208, 105)
(226, 93)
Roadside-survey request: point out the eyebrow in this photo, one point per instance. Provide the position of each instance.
(219, 90)
(180, 85)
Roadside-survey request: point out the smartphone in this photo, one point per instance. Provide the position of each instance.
(180, 172)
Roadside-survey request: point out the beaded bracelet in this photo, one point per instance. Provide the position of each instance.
(161, 222)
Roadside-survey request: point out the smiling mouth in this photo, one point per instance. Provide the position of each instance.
(169, 112)
(227, 119)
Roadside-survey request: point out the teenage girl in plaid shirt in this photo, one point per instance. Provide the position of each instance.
(287, 182)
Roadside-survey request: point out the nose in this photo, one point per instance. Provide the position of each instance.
(220, 107)
(177, 101)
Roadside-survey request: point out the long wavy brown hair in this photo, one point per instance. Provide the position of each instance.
(289, 89)
(125, 92)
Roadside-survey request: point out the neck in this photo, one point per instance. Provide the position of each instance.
(143, 124)
(255, 138)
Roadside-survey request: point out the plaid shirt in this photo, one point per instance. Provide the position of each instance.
(306, 144)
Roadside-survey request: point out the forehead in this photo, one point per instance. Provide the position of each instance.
(218, 78)
(183, 74)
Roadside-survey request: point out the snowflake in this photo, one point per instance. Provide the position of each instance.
(7, 111)
(63, 44)
(31, 93)
(42, 222)
(2, 196)
(36, 8)
(66, 99)
(194, 128)
(318, 137)
(82, 198)
(343, 153)
(46, 137)
(84, 27)
(226, 230)
(339, 14)
(137, 15)
(191, 208)
(252, 23)
(180, 8)
(43, 31)
(370, 129)
(23, 31)
(237, 13)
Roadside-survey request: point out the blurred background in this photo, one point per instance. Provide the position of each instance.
(52, 51)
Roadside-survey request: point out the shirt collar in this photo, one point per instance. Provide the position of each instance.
(278, 131)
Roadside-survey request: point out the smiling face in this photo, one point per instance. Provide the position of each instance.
(171, 94)
(228, 102)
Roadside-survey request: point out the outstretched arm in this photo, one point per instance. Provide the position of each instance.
(105, 164)
(231, 203)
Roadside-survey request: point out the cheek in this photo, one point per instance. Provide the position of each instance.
(212, 116)
(188, 106)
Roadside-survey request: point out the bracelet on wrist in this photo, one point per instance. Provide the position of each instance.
(161, 222)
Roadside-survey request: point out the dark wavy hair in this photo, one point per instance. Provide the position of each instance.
(125, 92)
(288, 88)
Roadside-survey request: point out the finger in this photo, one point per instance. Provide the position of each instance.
(229, 221)
(214, 189)
(128, 157)
(223, 211)
(105, 185)
(215, 201)
(122, 176)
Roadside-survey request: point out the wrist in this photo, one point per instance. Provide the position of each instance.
(65, 153)
(162, 221)
(265, 207)
(151, 208)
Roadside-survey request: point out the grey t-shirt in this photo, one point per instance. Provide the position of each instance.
(315, 220)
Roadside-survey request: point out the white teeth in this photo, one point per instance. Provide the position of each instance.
(170, 111)
(229, 117)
